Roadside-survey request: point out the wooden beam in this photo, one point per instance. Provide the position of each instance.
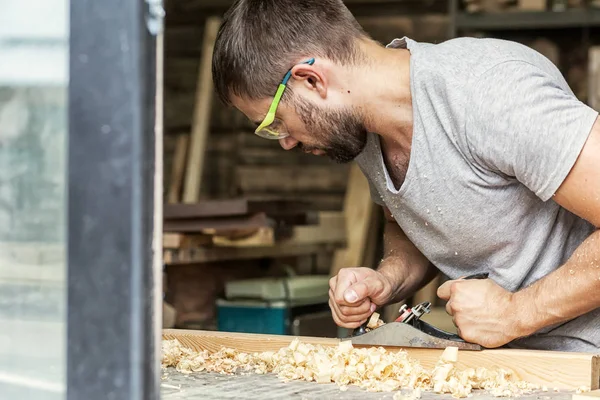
(331, 229)
(209, 254)
(235, 207)
(262, 237)
(214, 226)
(201, 117)
(553, 369)
(180, 240)
(292, 178)
(178, 169)
(359, 210)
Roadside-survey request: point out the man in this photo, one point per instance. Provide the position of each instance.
(477, 149)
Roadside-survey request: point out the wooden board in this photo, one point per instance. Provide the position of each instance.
(359, 210)
(234, 207)
(296, 178)
(331, 229)
(210, 254)
(201, 116)
(178, 168)
(180, 240)
(317, 201)
(553, 369)
(215, 225)
(262, 237)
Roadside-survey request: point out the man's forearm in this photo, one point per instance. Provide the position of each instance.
(570, 291)
(403, 263)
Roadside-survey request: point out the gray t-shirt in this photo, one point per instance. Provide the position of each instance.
(496, 130)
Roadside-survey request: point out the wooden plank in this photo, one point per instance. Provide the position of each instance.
(372, 253)
(331, 229)
(563, 370)
(235, 207)
(201, 118)
(359, 210)
(292, 178)
(208, 208)
(262, 237)
(180, 240)
(210, 254)
(215, 225)
(178, 168)
(532, 5)
(595, 373)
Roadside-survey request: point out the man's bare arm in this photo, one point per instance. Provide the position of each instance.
(487, 314)
(574, 288)
(403, 263)
(354, 293)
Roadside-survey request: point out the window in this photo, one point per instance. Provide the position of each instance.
(33, 154)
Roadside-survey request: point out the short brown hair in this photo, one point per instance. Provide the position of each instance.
(259, 40)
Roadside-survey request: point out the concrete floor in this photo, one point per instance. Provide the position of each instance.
(211, 386)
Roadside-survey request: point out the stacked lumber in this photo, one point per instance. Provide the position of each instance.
(269, 226)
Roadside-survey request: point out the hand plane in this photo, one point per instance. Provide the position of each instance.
(409, 331)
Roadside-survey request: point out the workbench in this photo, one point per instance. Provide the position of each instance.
(566, 371)
(212, 386)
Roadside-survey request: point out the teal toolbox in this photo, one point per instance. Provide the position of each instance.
(269, 305)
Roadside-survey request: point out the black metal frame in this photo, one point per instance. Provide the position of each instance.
(112, 327)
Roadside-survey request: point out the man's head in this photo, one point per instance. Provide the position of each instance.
(309, 46)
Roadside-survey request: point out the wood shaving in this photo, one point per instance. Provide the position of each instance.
(372, 368)
(373, 321)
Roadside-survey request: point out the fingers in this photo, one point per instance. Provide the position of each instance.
(344, 279)
(351, 289)
(368, 288)
(350, 316)
(343, 321)
(449, 309)
(443, 291)
(351, 295)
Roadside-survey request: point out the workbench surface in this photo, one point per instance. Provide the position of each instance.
(213, 386)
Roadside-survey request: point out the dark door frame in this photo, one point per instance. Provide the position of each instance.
(113, 325)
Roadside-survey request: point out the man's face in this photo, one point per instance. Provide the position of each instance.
(336, 132)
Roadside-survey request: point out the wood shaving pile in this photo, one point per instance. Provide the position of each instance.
(373, 368)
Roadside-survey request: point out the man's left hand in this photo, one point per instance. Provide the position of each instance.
(483, 312)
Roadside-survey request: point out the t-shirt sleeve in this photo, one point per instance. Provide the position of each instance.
(525, 122)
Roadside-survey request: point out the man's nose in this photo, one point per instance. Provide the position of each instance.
(288, 143)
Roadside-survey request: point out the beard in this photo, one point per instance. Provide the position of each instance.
(342, 134)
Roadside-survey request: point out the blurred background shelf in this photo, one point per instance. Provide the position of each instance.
(577, 18)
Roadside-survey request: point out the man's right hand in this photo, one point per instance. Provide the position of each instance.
(355, 293)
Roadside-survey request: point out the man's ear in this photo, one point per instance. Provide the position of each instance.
(310, 77)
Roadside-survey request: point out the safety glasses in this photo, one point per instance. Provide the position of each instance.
(271, 127)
